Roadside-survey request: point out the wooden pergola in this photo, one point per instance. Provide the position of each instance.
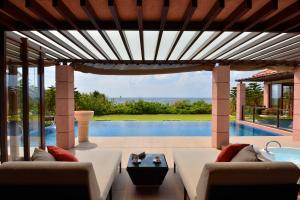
(245, 34)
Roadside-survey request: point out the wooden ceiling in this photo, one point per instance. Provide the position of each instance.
(215, 15)
(264, 19)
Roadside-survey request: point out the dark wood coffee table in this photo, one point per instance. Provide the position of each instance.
(148, 173)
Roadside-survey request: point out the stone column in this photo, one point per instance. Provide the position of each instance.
(65, 106)
(220, 106)
(267, 95)
(240, 100)
(296, 115)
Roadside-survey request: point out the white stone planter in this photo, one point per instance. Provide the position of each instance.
(83, 118)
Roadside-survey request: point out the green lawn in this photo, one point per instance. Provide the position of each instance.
(160, 117)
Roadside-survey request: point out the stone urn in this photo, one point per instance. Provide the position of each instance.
(83, 118)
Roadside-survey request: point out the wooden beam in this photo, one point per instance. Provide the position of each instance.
(116, 18)
(41, 74)
(263, 12)
(64, 11)
(242, 9)
(7, 22)
(163, 20)
(288, 13)
(259, 15)
(25, 97)
(186, 19)
(90, 13)
(209, 18)
(17, 14)
(179, 62)
(292, 24)
(140, 24)
(3, 99)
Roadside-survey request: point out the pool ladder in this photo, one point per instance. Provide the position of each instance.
(268, 143)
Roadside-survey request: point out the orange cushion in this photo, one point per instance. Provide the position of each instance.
(61, 155)
(229, 152)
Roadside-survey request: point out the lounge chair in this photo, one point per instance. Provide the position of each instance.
(204, 179)
(89, 179)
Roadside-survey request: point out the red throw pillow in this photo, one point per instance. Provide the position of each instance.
(61, 155)
(229, 152)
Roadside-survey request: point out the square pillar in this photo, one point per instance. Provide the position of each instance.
(296, 115)
(220, 106)
(64, 106)
(240, 100)
(267, 95)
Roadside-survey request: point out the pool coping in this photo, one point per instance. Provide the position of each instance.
(266, 128)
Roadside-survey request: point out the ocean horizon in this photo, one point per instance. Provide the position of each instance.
(164, 100)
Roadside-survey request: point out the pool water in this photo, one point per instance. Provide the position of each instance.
(158, 128)
(284, 154)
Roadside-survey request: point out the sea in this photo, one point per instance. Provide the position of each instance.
(164, 100)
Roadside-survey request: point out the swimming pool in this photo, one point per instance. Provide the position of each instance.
(158, 128)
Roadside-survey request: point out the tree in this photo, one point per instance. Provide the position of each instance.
(50, 100)
(254, 95)
(233, 95)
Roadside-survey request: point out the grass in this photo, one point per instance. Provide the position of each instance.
(159, 117)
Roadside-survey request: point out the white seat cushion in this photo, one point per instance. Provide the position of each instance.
(189, 164)
(106, 166)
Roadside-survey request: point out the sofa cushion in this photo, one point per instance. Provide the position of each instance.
(41, 155)
(106, 165)
(189, 164)
(247, 154)
(229, 152)
(61, 155)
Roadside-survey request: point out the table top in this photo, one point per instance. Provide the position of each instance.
(147, 162)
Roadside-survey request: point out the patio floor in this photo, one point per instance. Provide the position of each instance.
(172, 188)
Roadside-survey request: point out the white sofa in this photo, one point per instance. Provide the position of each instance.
(90, 179)
(204, 179)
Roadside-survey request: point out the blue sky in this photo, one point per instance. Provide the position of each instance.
(190, 84)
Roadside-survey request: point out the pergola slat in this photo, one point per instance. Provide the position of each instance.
(13, 37)
(220, 44)
(285, 55)
(141, 28)
(163, 20)
(116, 18)
(265, 45)
(46, 43)
(73, 39)
(276, 49)
(64, 11)
(292, 24)
(209, 18)
(186, 19)
(59, 41)
(242, 9)
(250, 45)
(236, 44)
(89, 11)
